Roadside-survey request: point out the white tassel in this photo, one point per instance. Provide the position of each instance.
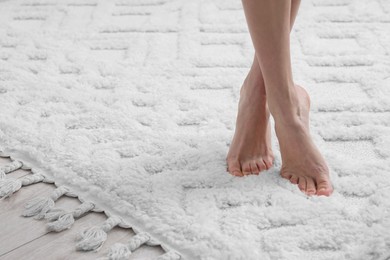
(66, 220)
(119, 251)
(38, 207)
(171, 255)
(13, 166)
(54, 214)
(137, 241)
(93, 238)
(10, 186)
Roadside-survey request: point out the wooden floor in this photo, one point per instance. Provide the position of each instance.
(27, 238)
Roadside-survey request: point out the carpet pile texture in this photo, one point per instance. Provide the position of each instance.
(132, 105)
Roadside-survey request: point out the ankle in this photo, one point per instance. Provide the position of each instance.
(291, 122)
(290, 107)
(285, 107)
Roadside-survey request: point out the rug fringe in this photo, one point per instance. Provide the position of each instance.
(38, 207)
(138, 240)
(118, 251)
(65, 220)
(121, 251)
(91, 238)
(12, 166)
(54, 214)
(10, 186)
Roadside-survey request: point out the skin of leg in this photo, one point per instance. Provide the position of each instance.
(293, 14)
(237, 167)
(269, 26)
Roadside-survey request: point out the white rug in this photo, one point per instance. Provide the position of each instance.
(132, 105)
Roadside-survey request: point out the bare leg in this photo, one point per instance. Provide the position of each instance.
(250, 151)
(269, 26)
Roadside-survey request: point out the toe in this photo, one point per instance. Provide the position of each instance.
(294, 179)
(310, 186)
(324, 187)
(246, 168)
(302, 184)
(285, 174)
(260, 165)
(235, 168)
(254, 168)
(268, 161)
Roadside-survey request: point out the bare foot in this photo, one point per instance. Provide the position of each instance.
(302, 163)
(250, 151)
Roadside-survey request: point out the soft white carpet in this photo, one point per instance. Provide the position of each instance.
(132, 104)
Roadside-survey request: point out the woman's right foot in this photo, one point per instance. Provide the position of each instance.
(250, 151)
(302, 163)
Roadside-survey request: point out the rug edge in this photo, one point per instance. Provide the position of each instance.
(42, 175)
